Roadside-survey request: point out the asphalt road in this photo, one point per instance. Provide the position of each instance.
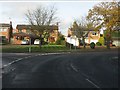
(71, 70)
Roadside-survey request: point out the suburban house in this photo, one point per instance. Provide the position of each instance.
(5, 31)
(91, 36)
(23, 32)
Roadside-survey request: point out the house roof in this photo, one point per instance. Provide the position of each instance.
(52, 27)
(4, 25)
(24, 34)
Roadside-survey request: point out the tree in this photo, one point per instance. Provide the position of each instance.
(61, 39)
(81, 30)
(105, 15)
(10, 32)
(41, 19)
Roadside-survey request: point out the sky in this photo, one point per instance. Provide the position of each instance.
(67, 11)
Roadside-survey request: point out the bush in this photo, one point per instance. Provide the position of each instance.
(58, 42)
(92, 45)
(63, 42)
(98, 44)
(52, 43)
(101, 40)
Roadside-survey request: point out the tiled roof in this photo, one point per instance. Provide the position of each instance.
(4, 25)
(20, 27)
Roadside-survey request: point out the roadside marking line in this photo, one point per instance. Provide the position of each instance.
(92, 83)
(28, 57)
(12, 62)
(13, 69)
(25, 57)
(37, 55)
(115, 57)
(4, 66)
(73, 67)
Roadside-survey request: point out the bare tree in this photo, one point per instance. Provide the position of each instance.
(81, 28)
(41, 18)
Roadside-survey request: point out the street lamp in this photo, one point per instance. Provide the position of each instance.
(75, 42)
(70, 42)
(30, 45)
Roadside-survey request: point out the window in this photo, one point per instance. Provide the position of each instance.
(4, 29)
(0, 29)
(94, 33)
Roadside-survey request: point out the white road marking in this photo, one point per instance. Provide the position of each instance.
(115, 57)
(73, 67)
(12, 62)
(92, 83)
(4, 65)
(27, 57)
(37, 55)
(13, 69)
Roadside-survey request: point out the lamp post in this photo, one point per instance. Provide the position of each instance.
(75, 42)
(70, 42)
(30, 45)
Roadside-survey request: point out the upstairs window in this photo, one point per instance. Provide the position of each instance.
(94, 33)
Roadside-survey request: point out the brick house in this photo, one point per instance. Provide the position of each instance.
(92, 36)
(5, 31)
(23, 32)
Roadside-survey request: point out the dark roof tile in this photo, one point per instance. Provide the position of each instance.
(20, 27)
(4, 25)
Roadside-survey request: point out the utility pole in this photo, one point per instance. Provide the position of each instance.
(30, 50)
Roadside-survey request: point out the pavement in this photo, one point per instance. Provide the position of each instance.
(60, 70)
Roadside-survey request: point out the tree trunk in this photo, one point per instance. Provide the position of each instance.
(109, 39)
(40, 43)
(84, 42)
(108, 44)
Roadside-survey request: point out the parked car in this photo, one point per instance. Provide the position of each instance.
(37, 41)
(24, 42)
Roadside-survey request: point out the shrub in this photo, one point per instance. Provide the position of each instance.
(58, 42)
(98, 44)
(101, 40)
(92, 45)
(52, 43)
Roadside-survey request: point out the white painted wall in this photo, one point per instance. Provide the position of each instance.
(95, 41)
(73, 41)
(91, 40)
(116, 43)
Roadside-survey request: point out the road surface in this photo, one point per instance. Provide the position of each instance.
(58, 70)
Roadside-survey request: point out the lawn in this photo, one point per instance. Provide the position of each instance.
(49, 48)
(33, 48)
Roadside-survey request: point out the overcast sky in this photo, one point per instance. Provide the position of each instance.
(67, 11)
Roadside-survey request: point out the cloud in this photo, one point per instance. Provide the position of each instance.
(67, 11)
(15, 11)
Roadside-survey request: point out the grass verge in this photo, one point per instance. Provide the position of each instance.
(48, 49)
